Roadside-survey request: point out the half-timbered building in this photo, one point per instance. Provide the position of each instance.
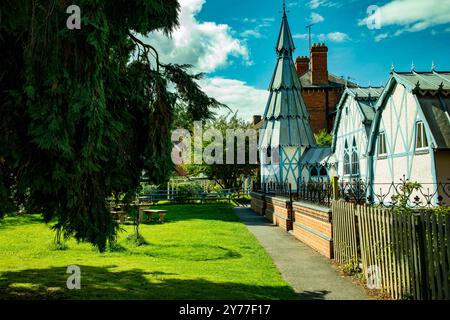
(410, 134)
(355, 113)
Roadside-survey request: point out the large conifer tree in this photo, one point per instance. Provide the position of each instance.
(84, 112)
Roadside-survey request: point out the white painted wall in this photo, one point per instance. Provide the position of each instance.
(398, 121)
(351, 127)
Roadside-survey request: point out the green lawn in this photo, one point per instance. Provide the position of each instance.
(201, 252)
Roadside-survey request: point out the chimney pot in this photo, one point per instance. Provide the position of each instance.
(302, 65)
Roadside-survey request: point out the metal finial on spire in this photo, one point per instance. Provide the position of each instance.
(285, 43)
(392, 67)
(412, 66)
(433, 66)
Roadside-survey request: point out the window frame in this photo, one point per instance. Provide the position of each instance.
(346, 162)
(381, 134)
(354, 161)
(420, 129)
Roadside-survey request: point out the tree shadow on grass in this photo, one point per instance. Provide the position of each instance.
(191, 252)
(105, 283)
(20, 220)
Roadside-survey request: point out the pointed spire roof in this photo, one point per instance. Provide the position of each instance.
(286, 119)
(285, 43)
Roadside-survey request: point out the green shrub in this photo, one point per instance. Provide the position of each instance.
(149, 188)
(187, 191)
(137, 240)
(351, 267)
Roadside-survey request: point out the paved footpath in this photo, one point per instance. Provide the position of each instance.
(310, 274)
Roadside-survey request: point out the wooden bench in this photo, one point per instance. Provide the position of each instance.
(161, 214)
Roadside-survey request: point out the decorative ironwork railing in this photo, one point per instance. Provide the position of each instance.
(316, 191)
(273, 188)
(411, 194)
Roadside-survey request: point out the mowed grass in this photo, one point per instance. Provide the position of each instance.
(201, 252)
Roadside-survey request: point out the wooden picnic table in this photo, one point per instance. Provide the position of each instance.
(120, 215)
(149, 212)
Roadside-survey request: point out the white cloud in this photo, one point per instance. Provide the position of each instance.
(316, 18)
(237, 95)
(259, 24)
(207, 46)
(314, 4)
(251, 34)
(333, 36)
(381, 36)
(411, 15)
(338, 36)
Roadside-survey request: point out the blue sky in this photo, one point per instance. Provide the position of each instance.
(233, 41)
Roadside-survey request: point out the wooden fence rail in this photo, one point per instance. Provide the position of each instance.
(405, 254)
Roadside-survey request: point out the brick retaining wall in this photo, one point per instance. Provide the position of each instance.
(279, 212)
(258, 203)
(312, 225)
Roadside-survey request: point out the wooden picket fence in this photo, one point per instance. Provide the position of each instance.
(407, 255)
(345, 244)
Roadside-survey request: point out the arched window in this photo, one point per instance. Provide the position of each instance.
(269, 151)
(355, 159)
(314, 172)
(323, 172)
(346, 160)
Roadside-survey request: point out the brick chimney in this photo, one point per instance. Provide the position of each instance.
(302, 65)
(319, 64)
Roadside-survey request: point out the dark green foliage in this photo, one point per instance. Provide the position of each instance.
(323, 138)
(81, 119)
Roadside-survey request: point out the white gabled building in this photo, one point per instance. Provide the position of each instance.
(410, 133)
(354, 115)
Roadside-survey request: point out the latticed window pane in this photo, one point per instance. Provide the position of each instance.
(346, 164)
(421, 137)
(382, 144)
(355, 163)
(355, 159)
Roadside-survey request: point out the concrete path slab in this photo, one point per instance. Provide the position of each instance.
(310, 274)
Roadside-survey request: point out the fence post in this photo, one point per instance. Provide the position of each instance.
(422, 256)
(334, 188)
(290, 193)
